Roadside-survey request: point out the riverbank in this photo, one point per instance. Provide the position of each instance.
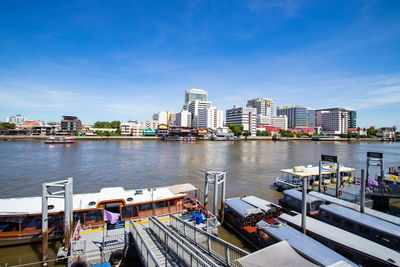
(155, 138)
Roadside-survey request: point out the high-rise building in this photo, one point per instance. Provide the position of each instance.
(298, 116)
(193, 94)
(183, 118)
(171, 117)
(70, 124)
(211, 118)
(264, 106)
(17, 119)
(245, 116)
(335, 120)
(161, 117)
(194, 108)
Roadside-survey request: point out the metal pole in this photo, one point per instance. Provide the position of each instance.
(320, 176)
(206, 190)
(67, 215)
(382, 171)
(215, 204)
(304, 205)
(362, 206)
(166, 249)
(337, 179)
(44, 224)
(367, 175)
(223, 198)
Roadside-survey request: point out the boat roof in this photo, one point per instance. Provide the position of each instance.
(354, 206)
(363, 219)
(345, 238)
(262, 204)
(304, 244)
(314, 170)
(33, 205)
(242, 208)
(298, 195)
(273, 255)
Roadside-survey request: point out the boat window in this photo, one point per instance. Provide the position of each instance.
(172, 202)
(129, 211)
(336, 219)
(32, 222)
(78, 215)
(161, 204)
(56, 220)
(91, 203)
(50, 207)
(112, 206)
(348, 224)
(383, 238)
(147, 206)
(363, 230)
(94, 215)
(324, 214)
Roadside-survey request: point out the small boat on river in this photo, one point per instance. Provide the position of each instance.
(21, 218)
(60, 140)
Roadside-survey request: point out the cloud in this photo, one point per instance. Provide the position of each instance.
(288, 7)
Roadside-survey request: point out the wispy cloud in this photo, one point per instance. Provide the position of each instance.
(288, 7)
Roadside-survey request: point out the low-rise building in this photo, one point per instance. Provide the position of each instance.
(135, 128)
(244, 116)
(70, 124)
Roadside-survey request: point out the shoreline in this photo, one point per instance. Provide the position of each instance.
(156, 138)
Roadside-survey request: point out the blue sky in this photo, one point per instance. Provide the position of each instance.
(121, 60)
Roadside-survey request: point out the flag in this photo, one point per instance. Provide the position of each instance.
(111, 217)
(394, 178)
(372, 181)
(358, 181)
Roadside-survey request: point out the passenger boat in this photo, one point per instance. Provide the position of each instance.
(292, 178)
(20, 218)
(60, 140)
(292, 200)
(257, 221)
(355, 248)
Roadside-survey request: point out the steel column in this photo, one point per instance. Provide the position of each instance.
(45, 221)
(215, 203)
(337, 179)
(362, 202)
(223, 200)
(304, 205)
(320, 176)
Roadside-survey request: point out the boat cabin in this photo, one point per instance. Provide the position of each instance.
(292, 200)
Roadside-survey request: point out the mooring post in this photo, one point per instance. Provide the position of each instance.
(304, 205)
(382, 170)
(362, 201)
(67, 215)
(337, 179)
(206, 190)
(44, 224)
(215, 203)
(223, 197)
(367, 171)
(320, 176)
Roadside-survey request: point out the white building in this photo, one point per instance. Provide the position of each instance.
(135, 128)
(161, 117)
(245, 116)
(210, 118)
(194, 108)
(183, 118)
(264, 106)
(273, 121)
(333, 120)
(194, 94)
(17, 119)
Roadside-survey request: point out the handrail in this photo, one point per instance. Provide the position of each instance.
(231, 252)
(138, 237)
(193, 256)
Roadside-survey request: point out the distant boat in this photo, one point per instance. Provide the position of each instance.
(60, 140)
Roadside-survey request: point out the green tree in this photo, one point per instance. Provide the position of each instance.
(236, 129)
(101, 124)
(7, 125)
(115, 124)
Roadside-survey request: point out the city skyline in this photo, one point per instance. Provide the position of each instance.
(127, 60)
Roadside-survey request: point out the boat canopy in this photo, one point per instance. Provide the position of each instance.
(345, 238)
(298, 195)
(182, 188)
(304, 244)
(279, 254)
(303, 171)
(262, 204)
(242, 208)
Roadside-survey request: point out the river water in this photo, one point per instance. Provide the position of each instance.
(251, 168)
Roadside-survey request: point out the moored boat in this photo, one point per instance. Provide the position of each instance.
(21, 220)
(60, 140)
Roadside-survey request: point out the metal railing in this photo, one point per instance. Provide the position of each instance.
(146, 254)
(182, 253)
(213, 245)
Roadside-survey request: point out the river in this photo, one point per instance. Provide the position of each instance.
(251, 168)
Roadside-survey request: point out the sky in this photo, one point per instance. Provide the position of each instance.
(125, 60)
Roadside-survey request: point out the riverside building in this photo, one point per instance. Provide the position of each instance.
(17, 119)
(183, 118)
(245, 116)
(264, 106)
(298, 116)
(210, 118)
(194, 108)
(333, 120)
(70, 124)
(161, 117)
